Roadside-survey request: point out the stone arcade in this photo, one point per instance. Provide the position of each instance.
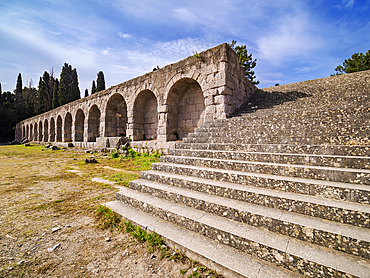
(156, 108)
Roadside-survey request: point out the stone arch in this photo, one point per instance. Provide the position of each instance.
(68, 127)
(40, 132)
(52, 130)
(46, 130)
(145, 116)
(35, 132)
(186, 108)
(79, 126)
(59, 128)
(116, 116)
(93, 122)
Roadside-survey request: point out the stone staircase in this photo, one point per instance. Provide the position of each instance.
(281, 189)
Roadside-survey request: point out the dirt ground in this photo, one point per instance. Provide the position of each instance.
(48, 224)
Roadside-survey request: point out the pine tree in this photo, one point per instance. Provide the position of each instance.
(246, 61)
(100, 82)
(18, 89)
(358, 62)
(93, 87)
(86, 93)
(55, 99)
(1, 90)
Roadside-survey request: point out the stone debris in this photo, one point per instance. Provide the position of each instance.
(51, 249)
(53, 230)
(91, 160)
(22, 262)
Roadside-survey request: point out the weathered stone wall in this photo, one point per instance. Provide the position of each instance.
(163, 105)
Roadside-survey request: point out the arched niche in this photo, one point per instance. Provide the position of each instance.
(52, 130)
(68, 128)
(116, 117)
(40, 132)
(93, 122)
(59, 128)
(79, 126)
(46, 130)
(145, 116)
(185, 108)
(35, 132)
(31, 132)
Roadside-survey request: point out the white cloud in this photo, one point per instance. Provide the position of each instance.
(124, 36)
(107, 51)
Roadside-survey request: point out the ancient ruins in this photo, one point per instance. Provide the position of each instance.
(272, 182)
(157, 108)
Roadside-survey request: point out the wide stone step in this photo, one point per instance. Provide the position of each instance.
(279, 131)
(255, 111)
(273, 123)
(341, 237)
(224, 259)
(356, 162)
(314, 140)
(325, 208)
(270, 195)
(342, 150)
(312, 115)
(356, 176)
(289, 253)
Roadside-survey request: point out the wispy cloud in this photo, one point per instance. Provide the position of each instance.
(348, 3)
(292, 37)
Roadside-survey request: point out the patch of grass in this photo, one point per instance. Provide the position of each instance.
(107, 219)
(123, 178)
(20, 150)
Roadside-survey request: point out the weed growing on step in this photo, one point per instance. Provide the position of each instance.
(107, 219)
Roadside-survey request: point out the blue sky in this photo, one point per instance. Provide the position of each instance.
(293, 40)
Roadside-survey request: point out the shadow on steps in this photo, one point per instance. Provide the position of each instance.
(264, 100)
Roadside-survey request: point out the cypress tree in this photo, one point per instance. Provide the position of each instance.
(40, 106)
(93, 87)
(48, 80)
(86, 93)
(100, 82)
(55, 100)
(18, 89)
(68, 85)
(76, 94)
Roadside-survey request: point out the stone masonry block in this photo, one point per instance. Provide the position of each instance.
(209, 100)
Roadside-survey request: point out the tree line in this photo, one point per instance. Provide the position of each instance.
(28, 101)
